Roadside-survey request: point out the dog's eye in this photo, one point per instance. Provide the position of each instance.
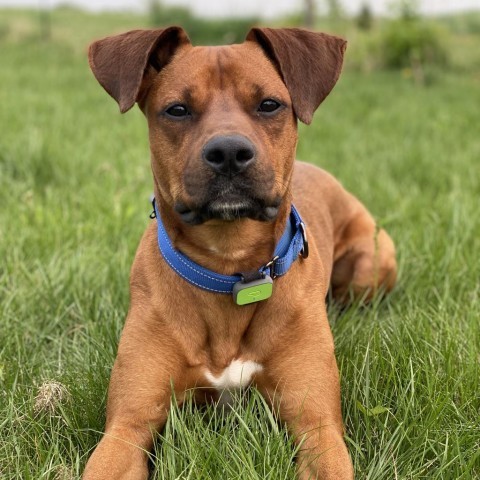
(269, 106)
(177, 110)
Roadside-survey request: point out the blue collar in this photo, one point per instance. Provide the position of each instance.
(257, 284)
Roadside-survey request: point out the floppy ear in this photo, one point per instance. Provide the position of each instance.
(310, 64)
(121, 63)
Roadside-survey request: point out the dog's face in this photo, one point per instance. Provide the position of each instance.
(222, 120)
(222, 133)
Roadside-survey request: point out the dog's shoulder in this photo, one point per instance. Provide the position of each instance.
(325, 205)
(315, 190)
(306, 175)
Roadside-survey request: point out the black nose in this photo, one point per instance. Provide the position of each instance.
(229, 154)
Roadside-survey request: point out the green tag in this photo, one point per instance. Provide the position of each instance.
(251, 292)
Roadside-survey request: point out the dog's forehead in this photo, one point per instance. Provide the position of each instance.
(206, 69)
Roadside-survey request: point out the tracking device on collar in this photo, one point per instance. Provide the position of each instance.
(254, 291)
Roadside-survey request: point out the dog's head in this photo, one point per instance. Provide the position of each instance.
(222, 120)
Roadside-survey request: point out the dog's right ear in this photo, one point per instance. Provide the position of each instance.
(121, 63)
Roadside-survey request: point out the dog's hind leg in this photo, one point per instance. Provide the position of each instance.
(364, 258)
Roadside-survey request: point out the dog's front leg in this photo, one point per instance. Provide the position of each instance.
(145, 369)
(303, 385)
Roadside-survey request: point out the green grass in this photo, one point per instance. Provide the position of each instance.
(74, 187)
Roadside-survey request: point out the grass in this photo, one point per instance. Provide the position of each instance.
(74, 187)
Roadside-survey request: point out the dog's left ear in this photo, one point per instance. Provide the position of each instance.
(310, 64)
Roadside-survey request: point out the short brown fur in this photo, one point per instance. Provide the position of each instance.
(167, 342)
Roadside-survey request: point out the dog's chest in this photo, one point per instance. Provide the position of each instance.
(238, 374)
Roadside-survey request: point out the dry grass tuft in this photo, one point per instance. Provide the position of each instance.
(50, 395)
(63, 473)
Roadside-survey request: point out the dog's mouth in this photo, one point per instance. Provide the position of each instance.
(228, 199)
(228, 209)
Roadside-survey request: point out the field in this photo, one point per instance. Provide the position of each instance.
(74, 186)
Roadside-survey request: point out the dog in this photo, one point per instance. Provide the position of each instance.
(229, 283)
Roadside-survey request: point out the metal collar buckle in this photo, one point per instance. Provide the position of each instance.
(153, 214)
(304, 251)
(271, 266)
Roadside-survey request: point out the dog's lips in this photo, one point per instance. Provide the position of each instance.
(228, 209)
(187, 214)
(228, 200)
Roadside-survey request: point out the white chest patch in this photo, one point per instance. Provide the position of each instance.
(237, 375)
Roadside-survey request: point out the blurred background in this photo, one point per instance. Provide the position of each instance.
(420, 35)
(383, 33)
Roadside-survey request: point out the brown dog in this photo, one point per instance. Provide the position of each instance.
(223, 133)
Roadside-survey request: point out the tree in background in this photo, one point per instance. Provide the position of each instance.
(407, 9)
(365, 17)
(331, 8)
(44, 20)
(335, 9)
(412, 42)
(309, 13)
(201, 30)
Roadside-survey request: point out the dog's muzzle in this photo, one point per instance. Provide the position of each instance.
(229, 186)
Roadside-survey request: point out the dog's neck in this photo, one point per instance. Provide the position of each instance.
(225, 247)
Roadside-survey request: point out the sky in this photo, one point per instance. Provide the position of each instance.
(263, 8)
